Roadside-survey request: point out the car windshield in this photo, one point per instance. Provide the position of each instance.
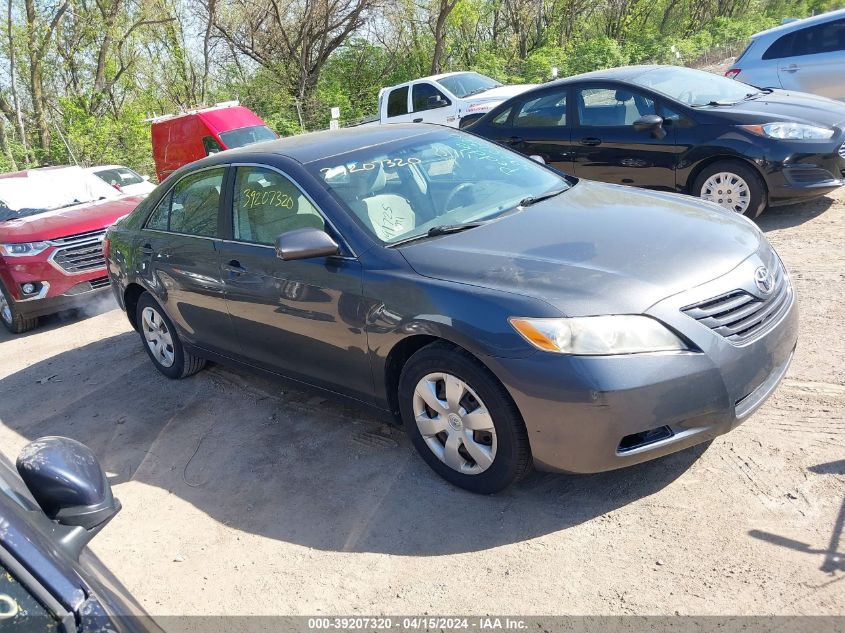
(695, 87)
(247, 136)
(119, 176)
(466, 84)
(431, 182)
(42, 190)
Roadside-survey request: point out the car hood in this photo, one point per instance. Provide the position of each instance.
(788, 105)
(595, 249)
(68, 221)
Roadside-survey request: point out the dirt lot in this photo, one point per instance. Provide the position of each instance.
(243, 496)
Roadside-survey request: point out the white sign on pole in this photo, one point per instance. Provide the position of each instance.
(334, 124)
(335, 113)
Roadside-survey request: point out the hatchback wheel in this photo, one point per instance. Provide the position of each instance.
(162, 342)
(11, 318)
(733, 185)
(462, 420)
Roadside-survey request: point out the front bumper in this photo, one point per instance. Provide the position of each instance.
(582, 412)
(80, 295)
(801, 176)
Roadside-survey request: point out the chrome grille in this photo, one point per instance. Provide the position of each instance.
(842, 150)
(80, 253)
(740, 316)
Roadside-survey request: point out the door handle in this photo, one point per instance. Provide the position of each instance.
(146, 249)
(591, 141)
(418, 120)
(791, 68)
(234, 266)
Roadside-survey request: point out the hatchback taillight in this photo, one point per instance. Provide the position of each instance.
(732, 73)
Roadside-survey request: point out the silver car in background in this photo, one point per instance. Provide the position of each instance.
(804, 55)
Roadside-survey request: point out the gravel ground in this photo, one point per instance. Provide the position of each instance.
(243, 496)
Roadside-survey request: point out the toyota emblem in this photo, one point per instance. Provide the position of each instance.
(763, 279)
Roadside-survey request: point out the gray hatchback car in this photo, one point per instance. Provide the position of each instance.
(505, 313)
(804, 55)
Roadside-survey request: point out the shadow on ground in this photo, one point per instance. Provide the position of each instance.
(833, 558)
(793, 214)
(284, 463)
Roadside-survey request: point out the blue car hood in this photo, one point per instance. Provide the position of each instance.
(595, 249)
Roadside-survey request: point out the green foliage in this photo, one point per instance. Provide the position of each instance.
(163, 74)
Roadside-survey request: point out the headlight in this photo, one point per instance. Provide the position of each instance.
(24, 249)
(598, 335)
(787, 130)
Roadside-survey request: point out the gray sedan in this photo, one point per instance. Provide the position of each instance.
(505, 313)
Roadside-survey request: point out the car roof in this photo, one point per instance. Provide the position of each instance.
(800, 24)
(313, 146)
(621, 73)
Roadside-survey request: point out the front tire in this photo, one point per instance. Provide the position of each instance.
(161, 341)
(11, 317)
(732, 185)
(462, 421)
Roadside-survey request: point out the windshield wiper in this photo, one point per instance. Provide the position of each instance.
(478, 91)
(440, 229)
(445, 229)
(527, 202)
(714, 103)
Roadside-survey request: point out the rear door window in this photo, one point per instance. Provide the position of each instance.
(821, 38)
(397, 102)
(548, 110)
(192, 206)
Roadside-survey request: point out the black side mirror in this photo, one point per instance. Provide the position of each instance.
(66, 480)
(305, 244)
(651, 123)
(436, 101)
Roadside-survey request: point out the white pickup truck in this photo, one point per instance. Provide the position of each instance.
(453, 99)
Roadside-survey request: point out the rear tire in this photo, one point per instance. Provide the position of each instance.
(11, 317)
(161, 341)
(734, 186)
(462, 420)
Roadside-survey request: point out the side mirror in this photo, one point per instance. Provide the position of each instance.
(537, 159)
(651, 123)
(145, 178)
(305, 244)
(435, 101)
(66, 480)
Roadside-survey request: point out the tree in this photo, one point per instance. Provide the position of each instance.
(39, 36)
(293, 40)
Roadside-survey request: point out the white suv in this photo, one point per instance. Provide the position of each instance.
(804, 55)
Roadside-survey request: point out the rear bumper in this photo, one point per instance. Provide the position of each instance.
(591, 414)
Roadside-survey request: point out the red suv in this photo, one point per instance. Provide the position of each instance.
(52, 222)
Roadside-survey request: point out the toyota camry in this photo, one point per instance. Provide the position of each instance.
(506, 314)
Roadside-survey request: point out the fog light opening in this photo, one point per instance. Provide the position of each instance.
(30, 288)
(637, 440)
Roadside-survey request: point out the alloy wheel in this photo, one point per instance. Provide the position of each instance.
(5, 309)
(158, 337)
(454, 423)
(727, 190)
